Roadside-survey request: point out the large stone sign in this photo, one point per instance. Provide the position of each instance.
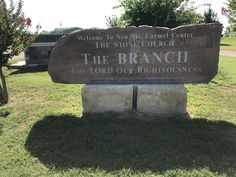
(187, 54)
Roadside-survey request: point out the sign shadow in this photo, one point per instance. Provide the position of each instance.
(111, 144)
(1, 126)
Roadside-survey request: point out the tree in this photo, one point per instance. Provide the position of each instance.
(210, 16)
(14, 37)
(112, 21)
(186, 14)
(169, 13)
(231, 13)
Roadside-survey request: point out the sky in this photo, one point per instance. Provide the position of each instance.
(51, 14)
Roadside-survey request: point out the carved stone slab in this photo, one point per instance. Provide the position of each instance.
(143, 55)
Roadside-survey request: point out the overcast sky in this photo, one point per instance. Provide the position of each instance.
(83, 13)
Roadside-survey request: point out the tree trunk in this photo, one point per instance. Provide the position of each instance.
(3, 89)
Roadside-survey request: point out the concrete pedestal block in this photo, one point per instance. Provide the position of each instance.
(102, 98)
(162, 99)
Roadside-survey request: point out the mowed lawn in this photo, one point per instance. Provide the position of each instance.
(43, 132)
(228, 43)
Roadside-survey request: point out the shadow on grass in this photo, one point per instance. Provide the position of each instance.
(30, 70)
(1, 126)
(4, 112)
(112, 144)
(225, 45)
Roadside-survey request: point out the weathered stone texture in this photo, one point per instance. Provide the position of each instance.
(162, 99)
(143, 55)
(154, 99)
(103, 98)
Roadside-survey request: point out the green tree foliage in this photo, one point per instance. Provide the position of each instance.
(112, 21)
(232, 10)
(169, 13)
(232, 15)
(210, 16)
(14, 37)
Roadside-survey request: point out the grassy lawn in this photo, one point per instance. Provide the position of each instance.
(43, 133)
(228, 43)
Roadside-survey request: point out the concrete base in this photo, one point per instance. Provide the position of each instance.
(103, 98)
(164, 100)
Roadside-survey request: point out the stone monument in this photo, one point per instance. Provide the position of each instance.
(137, 68)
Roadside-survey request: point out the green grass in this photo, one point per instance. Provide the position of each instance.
(43, 133)
(228, 43)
